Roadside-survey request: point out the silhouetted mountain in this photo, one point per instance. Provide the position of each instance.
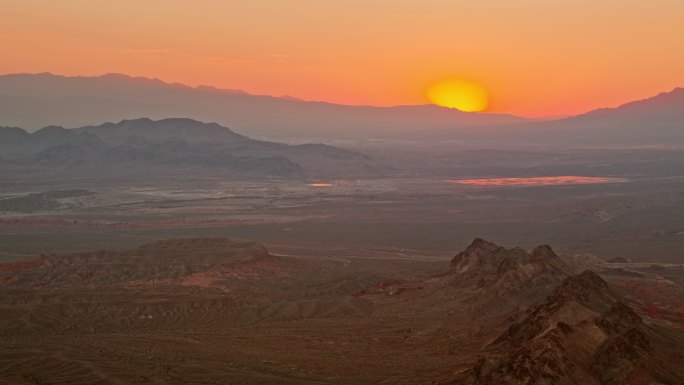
(190, 131)
(36, 100)
(663, 105)
(656, 120)
(173, 143)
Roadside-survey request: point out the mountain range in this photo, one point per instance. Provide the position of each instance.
(33, 101)
(169, 144)
(655, 120)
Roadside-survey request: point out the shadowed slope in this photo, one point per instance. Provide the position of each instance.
(582, 334)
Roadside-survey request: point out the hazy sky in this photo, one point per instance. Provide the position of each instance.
(536, 57)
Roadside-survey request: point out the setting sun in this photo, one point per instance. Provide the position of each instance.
(460, 94)
(299, 192)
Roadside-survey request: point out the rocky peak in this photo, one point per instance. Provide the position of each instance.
(618, 319)
(586, 288)
(542, 349)
(479, 243)
(479, 247)
(474, 254)
(507, 270)
(544, 252)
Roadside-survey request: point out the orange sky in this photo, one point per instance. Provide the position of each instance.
(536, 57)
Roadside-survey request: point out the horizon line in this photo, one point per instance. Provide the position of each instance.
(285, 97)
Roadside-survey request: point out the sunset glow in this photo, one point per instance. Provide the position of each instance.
(463, 95)
(342, 192)
(547, 180)
(530, 55)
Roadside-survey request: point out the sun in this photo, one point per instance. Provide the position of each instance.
(460, 94)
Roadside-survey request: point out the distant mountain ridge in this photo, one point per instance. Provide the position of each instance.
(37, 100)
(33, 101)
(663, 101)
(658, 120)
(189, 130)
(173, 142)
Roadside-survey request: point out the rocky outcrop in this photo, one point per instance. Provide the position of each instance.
(582, 334)
(486, 265)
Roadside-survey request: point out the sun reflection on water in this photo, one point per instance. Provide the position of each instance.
(536, 181)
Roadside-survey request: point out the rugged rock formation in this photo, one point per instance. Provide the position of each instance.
(582, 334)
(484, 280)
(500, 271)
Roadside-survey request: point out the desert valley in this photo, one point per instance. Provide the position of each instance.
(185, 252)
(341, 192)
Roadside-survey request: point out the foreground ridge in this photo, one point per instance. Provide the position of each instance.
(582, 334)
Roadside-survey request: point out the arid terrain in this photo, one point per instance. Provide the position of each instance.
(172, 269)
(215, 311)
(341, 192)
(613, 203)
